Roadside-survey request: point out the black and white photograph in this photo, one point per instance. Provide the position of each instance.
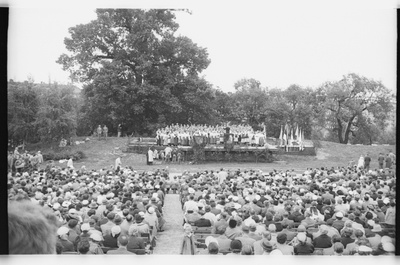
(199, 128)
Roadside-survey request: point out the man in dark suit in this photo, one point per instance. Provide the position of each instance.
(121, 250)
(202, 222)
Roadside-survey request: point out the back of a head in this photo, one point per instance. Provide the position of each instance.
(123, 240)
(247, 250)
(213, 248)
(83, 247)
(31, 229)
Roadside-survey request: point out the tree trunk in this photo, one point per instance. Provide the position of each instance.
(347, 132)
(340, 128)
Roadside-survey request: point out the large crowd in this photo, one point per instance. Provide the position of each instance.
(183, 135)
(324, 211)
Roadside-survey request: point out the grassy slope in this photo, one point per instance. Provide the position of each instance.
(102, 154)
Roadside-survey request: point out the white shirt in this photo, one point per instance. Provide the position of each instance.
(117, 162)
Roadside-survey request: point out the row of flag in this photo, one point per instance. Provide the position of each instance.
(287, 136)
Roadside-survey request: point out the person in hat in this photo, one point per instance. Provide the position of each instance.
(303, 248)
(122, 247)
(323, 240)
(134, 241)
(188, 245)
(140, 225)
(110, 240)
(151, 218)
(338, 223)
(258, 249)
(95, 242)
(62, 240)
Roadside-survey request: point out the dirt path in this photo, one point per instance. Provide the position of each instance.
(169, 241)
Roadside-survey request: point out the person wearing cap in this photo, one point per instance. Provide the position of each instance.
(303, 248)
(62, 240)
(151, 218)
(122, 247)
(338, 223)
(257, 245)
(95, 241)
(364, 251)
(323, 240)
(140, 225)
(84, 235)
(110, 240)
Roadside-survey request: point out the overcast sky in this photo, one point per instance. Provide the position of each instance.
(278, 45)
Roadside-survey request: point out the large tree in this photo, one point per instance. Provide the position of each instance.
(250, 100)
(23, 105)
(352, 101)
(132, 64)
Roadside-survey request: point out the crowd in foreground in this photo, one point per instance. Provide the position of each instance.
(325, 211)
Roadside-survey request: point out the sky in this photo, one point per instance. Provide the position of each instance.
(278, 45)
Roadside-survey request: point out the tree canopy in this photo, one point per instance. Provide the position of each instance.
(354, 102)
(136, 70)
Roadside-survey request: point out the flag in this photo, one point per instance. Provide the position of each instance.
(299, 137)
(291, 137)
(281, 136)
(297, 132)
(284, 139)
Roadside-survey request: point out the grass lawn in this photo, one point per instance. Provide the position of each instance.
(102, 154)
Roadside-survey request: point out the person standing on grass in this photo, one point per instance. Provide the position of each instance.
(149, 157)
(360, 164)
(388, 161)
(118, 163)
(367, 161)
(105, 131)
(99, 130)
(119, 129)
(70, 163)
(381, 159)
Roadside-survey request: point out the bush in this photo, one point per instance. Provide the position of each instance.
(63, 154)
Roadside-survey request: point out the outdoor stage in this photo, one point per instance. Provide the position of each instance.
(213, 152)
